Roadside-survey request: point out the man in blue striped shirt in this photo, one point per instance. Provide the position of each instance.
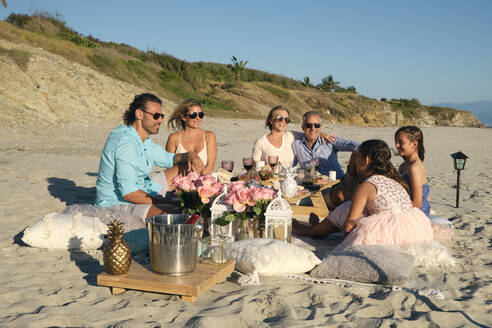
(312, 147)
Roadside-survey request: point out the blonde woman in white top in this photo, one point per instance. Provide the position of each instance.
(279, 141)
(186, 120)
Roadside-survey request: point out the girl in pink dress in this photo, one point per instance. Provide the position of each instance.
(381, 212)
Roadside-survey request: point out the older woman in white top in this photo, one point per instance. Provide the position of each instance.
(279, 141)
(189, 136)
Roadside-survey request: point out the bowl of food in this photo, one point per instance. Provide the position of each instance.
(265, 174)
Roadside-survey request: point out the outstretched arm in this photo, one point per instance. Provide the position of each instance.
(326, 137)
(343, 144)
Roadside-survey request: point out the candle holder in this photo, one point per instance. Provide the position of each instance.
(278, 219)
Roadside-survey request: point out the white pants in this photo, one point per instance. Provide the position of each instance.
(141, 210)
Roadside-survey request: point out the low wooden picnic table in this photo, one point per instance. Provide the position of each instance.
(302, 207)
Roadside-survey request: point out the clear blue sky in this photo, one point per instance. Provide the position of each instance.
(432, 50)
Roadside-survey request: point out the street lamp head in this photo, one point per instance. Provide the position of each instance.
(459, 160)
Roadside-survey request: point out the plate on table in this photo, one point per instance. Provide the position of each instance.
(312, 187)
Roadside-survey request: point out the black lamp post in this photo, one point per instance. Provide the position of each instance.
(459, 164)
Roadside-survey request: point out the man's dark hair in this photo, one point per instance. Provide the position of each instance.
(139, 102)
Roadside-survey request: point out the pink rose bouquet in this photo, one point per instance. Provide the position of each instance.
(246, 201)
(195, 192)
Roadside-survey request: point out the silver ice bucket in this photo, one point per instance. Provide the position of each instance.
(173, 244)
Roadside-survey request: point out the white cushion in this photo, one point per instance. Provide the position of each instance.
(270, 257)
(66, 231)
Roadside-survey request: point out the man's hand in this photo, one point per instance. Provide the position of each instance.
(190, 160)
(195, 163)
(327, 137)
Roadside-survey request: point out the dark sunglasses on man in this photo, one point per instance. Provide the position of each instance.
(193, 115)
(154, 115)
(310, 125)
(281, 118)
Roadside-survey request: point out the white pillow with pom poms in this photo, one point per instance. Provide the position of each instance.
(66, 231)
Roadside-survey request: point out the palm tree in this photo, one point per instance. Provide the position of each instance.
(237, 68)
(329, 84)
(307, 82)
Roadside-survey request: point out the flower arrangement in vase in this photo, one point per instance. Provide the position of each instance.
(249, 203)
(195, 192)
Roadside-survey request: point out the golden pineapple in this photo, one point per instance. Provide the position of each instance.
(117, 254)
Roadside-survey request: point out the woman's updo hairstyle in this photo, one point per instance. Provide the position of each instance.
(379, 154)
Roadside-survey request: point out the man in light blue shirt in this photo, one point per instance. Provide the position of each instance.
(311, 147)
(128, 157)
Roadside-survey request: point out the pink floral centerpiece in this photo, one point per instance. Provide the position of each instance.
(195, 192)
(247, 201)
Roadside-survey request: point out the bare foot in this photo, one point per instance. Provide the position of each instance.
(300, 229)
(313, 219)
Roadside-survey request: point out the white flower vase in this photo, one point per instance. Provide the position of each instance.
(289, 186)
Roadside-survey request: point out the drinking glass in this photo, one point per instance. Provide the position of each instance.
(272, 160)
(227, 165)
(216, 249)
(314, 162)
(248, 163)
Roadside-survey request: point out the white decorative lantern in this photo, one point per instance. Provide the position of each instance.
(217, 210)
(278, 219)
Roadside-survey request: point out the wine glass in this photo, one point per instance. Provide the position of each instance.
(248, 163)
(227, 165)
(272, 160)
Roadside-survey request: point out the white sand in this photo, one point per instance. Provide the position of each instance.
(46, 167)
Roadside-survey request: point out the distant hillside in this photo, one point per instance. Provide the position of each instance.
(481, 109)
(58, 75)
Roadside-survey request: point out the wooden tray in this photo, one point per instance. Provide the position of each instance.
(188, 286)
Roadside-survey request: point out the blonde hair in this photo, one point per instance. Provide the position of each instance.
(175, 121)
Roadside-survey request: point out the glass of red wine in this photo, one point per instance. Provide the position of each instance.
(248, 163)
(227, 165)
(272, 160)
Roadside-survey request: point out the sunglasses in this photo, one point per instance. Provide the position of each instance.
(154, 115)
(195, 114)
(281, 118)
(310, 125)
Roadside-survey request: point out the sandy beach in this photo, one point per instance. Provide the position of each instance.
(47, 167)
